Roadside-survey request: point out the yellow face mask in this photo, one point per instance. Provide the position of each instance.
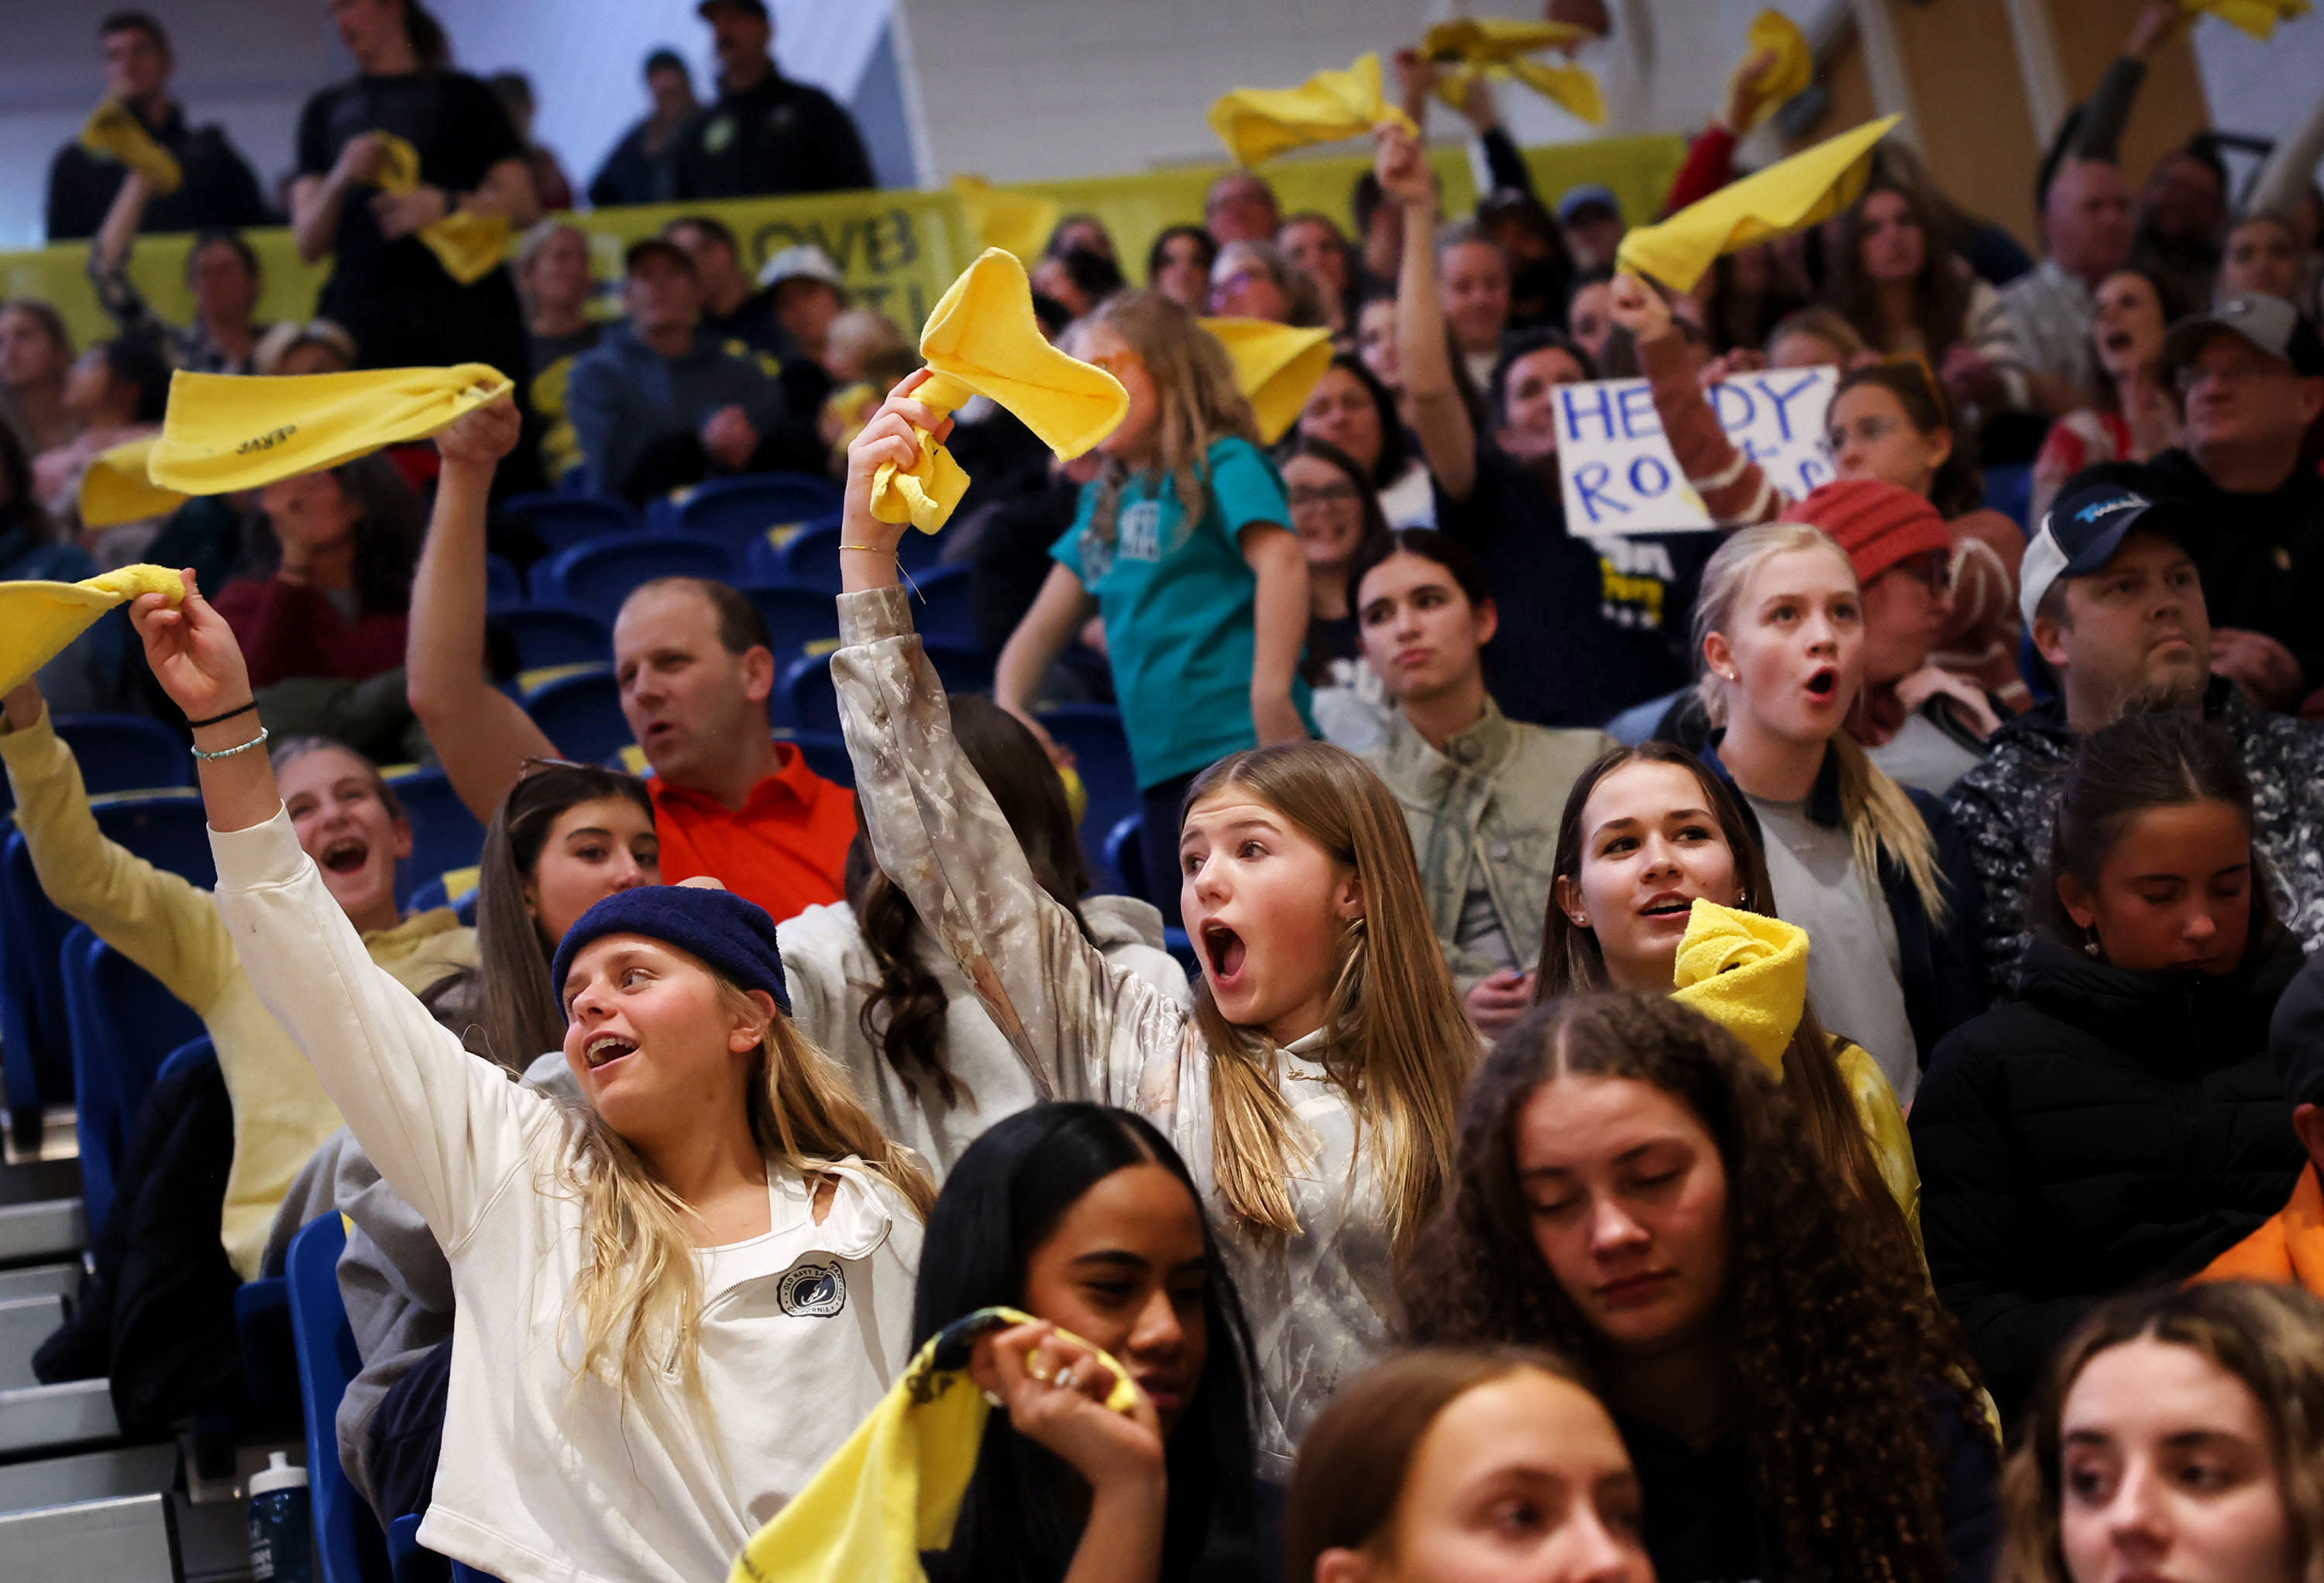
(38, 620)
(1258, 122)
(469, 247)
(224, 432)
(983, 339)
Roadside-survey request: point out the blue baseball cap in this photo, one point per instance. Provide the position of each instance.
(1588, 195)
(2083, 530)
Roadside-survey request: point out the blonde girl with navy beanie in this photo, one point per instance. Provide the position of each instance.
(673, 1303)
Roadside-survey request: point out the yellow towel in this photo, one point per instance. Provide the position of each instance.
(228, 431)
(1275, 366)
(1501, 46)
(1259, 123)
(114, 489)
(117, 134)
(37, 620)
(1014, 222)
(1747, 972)
(1790, 196)
(1794, 64)
(895, 1488)
(2256, 17)
(469, 247)
(982, 339)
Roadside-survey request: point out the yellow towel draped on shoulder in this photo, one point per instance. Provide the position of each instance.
(1503, 46)
(1788, 196)
(38, 619)
(1258, 122)
(225, 431)
(469, 247)
(895, 1488)
(982, 339)
(114, 132)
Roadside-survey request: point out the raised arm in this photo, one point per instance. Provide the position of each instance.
(1440, 417)
(2289, 170)
(445, 1129)
(480, 736)
(316, 201)
(108, 250)
(1735, 489)
(1084, 1029)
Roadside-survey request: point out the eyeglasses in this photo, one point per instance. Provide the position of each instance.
(1116, 363)
(1307, 494)
(1870, 431)
(2243, 371)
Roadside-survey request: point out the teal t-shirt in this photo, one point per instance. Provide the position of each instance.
(1177, 605)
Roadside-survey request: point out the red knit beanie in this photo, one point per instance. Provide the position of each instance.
(1877, 525)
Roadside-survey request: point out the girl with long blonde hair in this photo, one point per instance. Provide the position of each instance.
(697, 1284)
(1875, 872)
(1311, 1090)
(1183, 545)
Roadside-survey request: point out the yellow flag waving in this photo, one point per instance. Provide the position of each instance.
(1501, 46)
(37, 620)
(1774, 33)
(981, 337)
(469, 247)
(117, 135)
(1812, 185)
(115, 488)
(225, 431)
(1014, 222)
(1275, 366)
(1259, 123)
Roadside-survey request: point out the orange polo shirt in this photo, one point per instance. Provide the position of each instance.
(2287, 1249)
(786, 848)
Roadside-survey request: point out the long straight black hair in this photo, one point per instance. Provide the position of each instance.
(1025, 1508)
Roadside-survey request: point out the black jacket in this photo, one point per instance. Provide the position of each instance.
(219, 189)
(1937, 961)
(2105, 1130)
(780, 136)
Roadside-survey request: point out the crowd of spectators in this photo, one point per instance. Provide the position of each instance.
(1809, 1026)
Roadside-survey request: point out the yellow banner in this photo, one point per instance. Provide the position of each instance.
(899, 248)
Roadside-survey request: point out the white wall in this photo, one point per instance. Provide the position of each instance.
(2265, 90)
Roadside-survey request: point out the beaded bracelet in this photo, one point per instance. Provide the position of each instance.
(230, 752)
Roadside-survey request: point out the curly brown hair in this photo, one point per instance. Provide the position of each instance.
(1836, 1343)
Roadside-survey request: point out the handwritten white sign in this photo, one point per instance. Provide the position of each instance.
(1618, 473)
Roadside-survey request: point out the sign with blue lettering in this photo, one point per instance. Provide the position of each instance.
(1618, 473)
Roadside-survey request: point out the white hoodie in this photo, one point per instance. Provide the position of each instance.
(542, 1477)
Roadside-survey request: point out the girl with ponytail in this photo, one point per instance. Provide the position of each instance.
(1876, 874)
(1312, 1090)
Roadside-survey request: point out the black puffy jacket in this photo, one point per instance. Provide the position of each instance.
(2106, 1130)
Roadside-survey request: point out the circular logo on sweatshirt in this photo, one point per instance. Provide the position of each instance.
(812, 1292)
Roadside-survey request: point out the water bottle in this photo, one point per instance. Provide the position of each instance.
(282, 1526)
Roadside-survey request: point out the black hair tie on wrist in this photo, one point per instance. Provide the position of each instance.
(230, 714)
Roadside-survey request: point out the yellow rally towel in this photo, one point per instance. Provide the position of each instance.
(1501, 46)
(117, 135)
(1275, 366)
(1014, 222)
(114, 489)
(1794, 64)
(1259, 123)
(469, 247)
(2256, 17)
(982, 339)
(37, 620)
(894, 1489)
(1790, 196)
(228, 431)
(1747, 972)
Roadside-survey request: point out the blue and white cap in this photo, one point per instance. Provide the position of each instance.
(2081, 532)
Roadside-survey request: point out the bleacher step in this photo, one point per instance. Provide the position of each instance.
(70, 1414)
(40, 1281)
(25, 1323)
(132, 1539)
(49, 1229)
(92, 1475)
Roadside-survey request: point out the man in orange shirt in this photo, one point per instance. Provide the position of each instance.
(2288, 1249)
(696, 668)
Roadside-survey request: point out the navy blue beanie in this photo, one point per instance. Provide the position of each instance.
(734, 936)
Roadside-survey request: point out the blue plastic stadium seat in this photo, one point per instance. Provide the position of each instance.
(444, 833)
(941, 606)
(562, 520)
(503, 588)
(125, 753)
(811, 559)
(796, 618)
(545, 635)
(827, 757)
(345, 1528)
(123, 1024)
(1100, 757)
(582, 714)
(737, 511)
(597, 577)
(2010, 491)
(815, 703)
